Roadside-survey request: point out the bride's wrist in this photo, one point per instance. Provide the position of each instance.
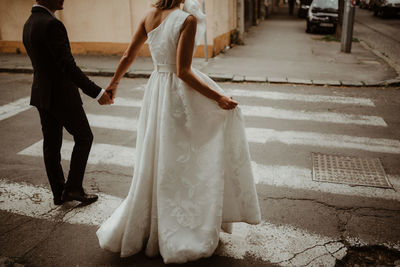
(114, 82)
(218, 98)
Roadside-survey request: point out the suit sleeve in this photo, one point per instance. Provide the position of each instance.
(60, 49)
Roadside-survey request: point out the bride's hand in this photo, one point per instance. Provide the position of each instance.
(112, 91)
(227, 103)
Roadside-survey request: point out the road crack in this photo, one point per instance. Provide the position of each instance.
(310, 248)
(330, 205)
(58, 221)
(16, 227)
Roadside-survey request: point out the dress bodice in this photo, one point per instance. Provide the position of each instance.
(163, 40)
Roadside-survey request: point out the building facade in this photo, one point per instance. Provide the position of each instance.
(107, 26)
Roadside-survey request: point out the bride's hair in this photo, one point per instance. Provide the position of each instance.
(167, 4)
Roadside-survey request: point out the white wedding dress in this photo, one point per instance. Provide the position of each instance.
(192, 169)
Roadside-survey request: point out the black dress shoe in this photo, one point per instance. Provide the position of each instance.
(79, 196)
(58, 201)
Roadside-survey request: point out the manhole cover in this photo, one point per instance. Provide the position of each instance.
(349, 170)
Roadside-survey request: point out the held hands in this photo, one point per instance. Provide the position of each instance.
(112, 91)
(106, 99)
(109, 95)
(226, 103)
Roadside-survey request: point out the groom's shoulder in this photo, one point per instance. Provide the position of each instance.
(43, 23)
(55, 25)
(46, 21)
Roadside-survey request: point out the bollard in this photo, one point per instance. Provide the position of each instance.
(348, 25)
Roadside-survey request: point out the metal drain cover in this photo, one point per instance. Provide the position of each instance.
(349, 170)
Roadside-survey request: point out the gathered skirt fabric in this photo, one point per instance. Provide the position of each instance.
(192, 173)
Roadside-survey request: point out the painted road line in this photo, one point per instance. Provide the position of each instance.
(99, 154)
(112, 122)
(14, 108)
(271, 95)
(266, 241)
(37, 202)
(273, 243)
(280, 245)
(302, 115)
(127, 102)
(296, 177)
(276, 113)
(268, 95)
(260, 135)
(282, 176)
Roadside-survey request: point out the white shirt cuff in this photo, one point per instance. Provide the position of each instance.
(101, 93)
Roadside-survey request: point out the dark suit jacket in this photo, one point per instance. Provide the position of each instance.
(56, 77)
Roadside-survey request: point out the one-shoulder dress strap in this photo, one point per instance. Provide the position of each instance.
(180, 20)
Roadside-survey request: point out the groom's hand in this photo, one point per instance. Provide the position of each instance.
(112, 91)
(105, 99)
(110, 94)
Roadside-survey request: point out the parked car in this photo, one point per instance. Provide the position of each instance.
(323, 14)
(303, 8)
(371, 4)
(364, 4)
(386, 7)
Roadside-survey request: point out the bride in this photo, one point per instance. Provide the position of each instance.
(192, 172)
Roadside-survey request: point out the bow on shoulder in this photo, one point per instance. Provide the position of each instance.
(193, 7)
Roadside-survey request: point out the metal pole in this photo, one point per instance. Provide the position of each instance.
(348, 25)
(205, 35)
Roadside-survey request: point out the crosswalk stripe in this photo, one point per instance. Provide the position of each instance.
(14, 108)
(112, 122)
(258, 240)
(100, 153)
(284, 176)
(326, 117)
(127, 102)
(262, 135)
(276, 113)
(36, 202)
(300, 178)
(21, 105)
(270, 95)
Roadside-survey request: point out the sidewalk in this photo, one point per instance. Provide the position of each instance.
(279, 47)
(276, 51)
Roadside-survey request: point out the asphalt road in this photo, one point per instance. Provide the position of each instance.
(305, 222)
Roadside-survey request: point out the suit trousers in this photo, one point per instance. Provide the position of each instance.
(74, 120)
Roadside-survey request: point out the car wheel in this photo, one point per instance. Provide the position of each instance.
(376, 12)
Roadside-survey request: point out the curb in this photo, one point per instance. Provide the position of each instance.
(220, 77)
(389, 61)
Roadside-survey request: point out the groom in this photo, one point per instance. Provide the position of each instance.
(55, 94)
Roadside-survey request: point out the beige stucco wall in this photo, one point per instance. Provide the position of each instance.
(13, 14)
(97, 20)
(221, 16)
(95, 24)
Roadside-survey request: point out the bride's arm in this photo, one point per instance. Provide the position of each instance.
(184, 63)
(129, 56)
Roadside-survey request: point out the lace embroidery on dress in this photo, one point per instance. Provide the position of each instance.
(192, 169)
